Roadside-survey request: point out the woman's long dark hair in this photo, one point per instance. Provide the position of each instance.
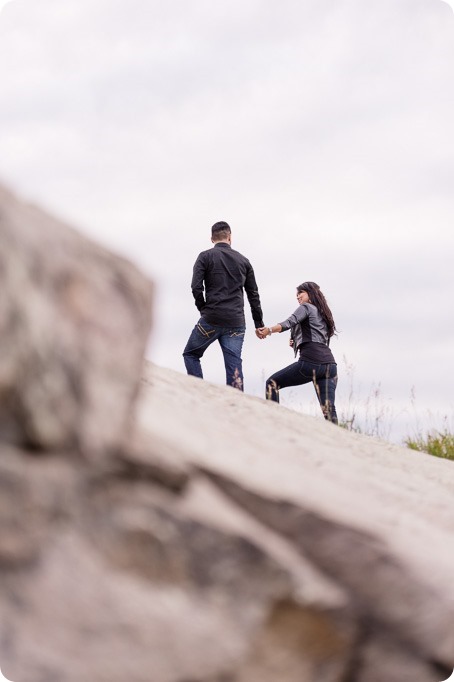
(317, 298)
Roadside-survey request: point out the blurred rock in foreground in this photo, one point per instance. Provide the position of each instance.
(74, 322)
(227, 539)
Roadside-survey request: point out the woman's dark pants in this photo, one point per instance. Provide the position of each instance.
(324, 378)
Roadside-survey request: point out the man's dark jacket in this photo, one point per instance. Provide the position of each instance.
(225, 273)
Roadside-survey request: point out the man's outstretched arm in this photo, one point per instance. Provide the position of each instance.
(252, 292)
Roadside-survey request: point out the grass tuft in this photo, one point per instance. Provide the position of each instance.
(438, 444)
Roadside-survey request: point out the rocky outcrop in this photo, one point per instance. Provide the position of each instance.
(213, 537)
(368, 526)
(74, 322)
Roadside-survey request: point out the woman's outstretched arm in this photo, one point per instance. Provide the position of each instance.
(267, 331)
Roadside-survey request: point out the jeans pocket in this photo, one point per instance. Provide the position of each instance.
(205, 329)
(308, 371)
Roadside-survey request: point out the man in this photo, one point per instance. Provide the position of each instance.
(224, 273)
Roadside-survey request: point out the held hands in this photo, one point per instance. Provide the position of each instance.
(262, 332)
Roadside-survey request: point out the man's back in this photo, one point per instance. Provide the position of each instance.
(224, 273)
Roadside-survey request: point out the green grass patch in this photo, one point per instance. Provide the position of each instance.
(438, 444)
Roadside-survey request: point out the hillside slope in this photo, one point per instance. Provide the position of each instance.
(405, 497)
(375, 518)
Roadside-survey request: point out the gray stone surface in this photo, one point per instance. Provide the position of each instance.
(74, 321)
(207, 536)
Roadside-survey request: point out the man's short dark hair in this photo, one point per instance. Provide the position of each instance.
(220, 231)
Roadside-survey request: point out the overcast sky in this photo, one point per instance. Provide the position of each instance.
(321, 130)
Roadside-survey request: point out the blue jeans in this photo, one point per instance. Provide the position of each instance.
(324, 378)
(231, 342)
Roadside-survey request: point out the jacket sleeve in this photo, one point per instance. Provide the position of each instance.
(251, 289)
(197, 284)
(299, 315)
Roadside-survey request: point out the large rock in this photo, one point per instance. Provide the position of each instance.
(208, 554)
(222, 538)
(74, 321)
(374, 520)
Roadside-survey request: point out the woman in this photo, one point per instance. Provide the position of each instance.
(311, 326)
